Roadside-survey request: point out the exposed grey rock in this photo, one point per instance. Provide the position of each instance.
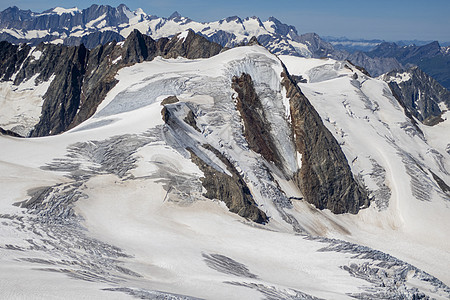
(82, 78)
(11, 58)
(190, 119)
(431, 58)
(63, 97)
(253, 41)
(170, 100)
(406, 54)
(316, 45)
(381, 195)
(444, 186)
(256, 126)
(59, 25)
(325, 178)
(230, 189)
(10, 133)
(419, 94)
(192, 47)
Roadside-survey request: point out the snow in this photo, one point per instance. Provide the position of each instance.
(28, 34)
(59, 10)
(125, 222)
(148, 214)
(302, 66)
(182, 36)
(408, 227)
(115, 61)
(299, 160)
(57, 42)
(400, 77)
(443, 106)
(21, 105)
(36, 54)
(97, 22)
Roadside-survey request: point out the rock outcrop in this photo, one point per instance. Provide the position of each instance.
(82, 77)
(63, 97)
(256, 126)
(11, 58)
(10, 133)
(420, 95)
(324, 178)
(230, 189)
(224, 182)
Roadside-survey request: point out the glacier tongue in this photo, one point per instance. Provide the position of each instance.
(119, 202)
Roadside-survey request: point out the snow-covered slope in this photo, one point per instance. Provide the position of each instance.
(119, 202)
(398, 159)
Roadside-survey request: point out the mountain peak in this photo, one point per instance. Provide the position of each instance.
(175, 15)
(233, 18)
(280, 27)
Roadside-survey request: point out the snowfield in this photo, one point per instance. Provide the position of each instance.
(114, 208)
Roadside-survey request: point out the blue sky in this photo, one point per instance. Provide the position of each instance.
(369, 19)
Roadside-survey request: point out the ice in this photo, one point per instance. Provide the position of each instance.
(115, 206)
(21, 105)
(389, 155)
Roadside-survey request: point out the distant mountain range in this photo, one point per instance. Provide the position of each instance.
(100, 24)
(364, 45)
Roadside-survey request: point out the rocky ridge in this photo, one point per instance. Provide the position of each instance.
(419, 93)
(83, 77)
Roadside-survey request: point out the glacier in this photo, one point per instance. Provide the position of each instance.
(117, 203)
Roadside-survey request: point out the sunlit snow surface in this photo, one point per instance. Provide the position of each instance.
(117, 210)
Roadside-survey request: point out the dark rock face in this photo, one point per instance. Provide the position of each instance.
(420, 94)
(444, 187)
(316, 45)
(256, 129)
(170, 100)
(230, 189)
(325, 178)
(11, 58)
(92, 40)
(82, 78)
(282, 29)
(190, 119)
(10, 133)
(62, 99)
(374, 65)
(192, 47)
